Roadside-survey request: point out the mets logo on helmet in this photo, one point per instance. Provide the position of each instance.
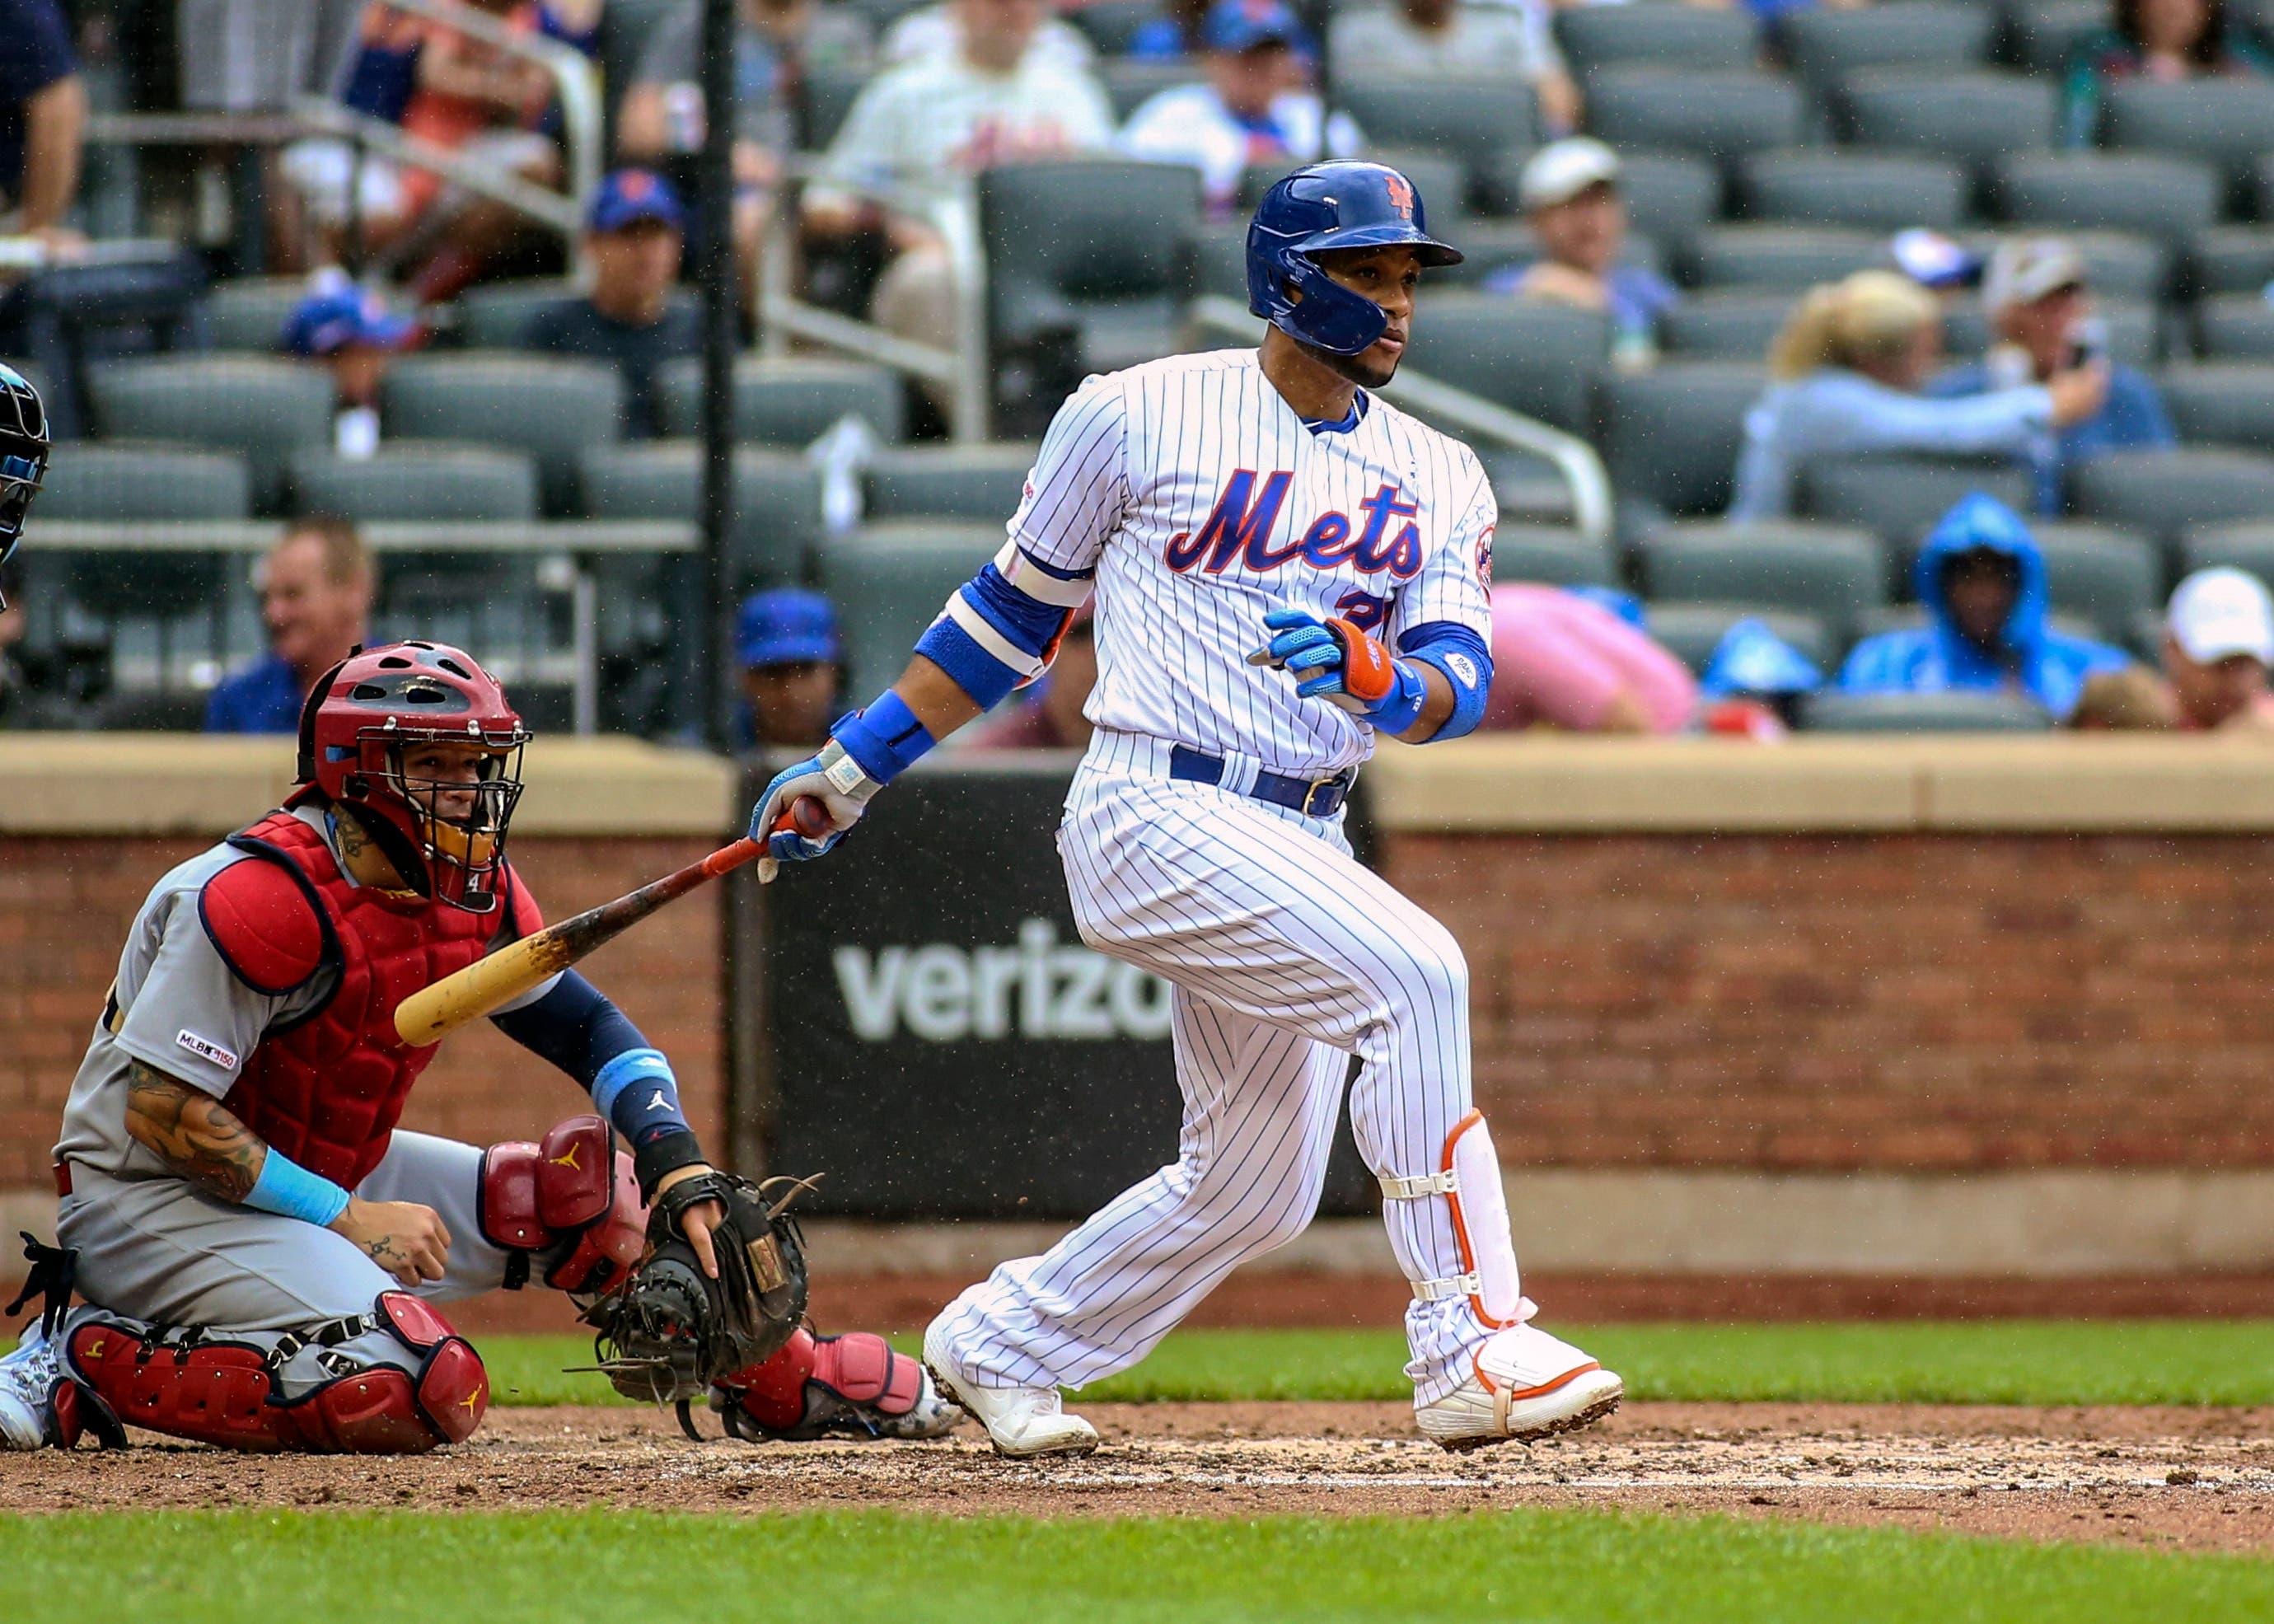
(1401, 194)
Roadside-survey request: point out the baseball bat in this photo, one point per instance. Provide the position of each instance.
(431, 1012)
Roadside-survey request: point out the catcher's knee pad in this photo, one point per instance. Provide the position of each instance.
(572, 1186)
(217, 1390)
(816, 1385)
(1468, 1179)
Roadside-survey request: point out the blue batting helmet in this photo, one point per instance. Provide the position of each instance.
(23, 445)
(1320, 207)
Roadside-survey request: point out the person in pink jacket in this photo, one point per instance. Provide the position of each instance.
(1563, 660)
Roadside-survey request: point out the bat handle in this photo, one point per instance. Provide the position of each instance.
(730, 857)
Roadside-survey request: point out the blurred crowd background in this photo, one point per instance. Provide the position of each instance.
(1902, 366)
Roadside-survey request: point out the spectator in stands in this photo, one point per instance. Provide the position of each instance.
(1569, 192)
(793, 666)
(777, 44)
(1563, 660)
(934, 34)
(42, 122)
(1753, 684)
(1443, 39)
(2166, 40)
(1253, 109)
(317, 587)
(2041, 311)
(634, 233)
(2219, 642)
(1939, 263)
(351, 331)
(1845, 375)
(1048, 715)
(1172, 32)
(1982, 582)
(990, 102)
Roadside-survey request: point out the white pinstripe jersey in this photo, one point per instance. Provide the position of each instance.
(1201, 500)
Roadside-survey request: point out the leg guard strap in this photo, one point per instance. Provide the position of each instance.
(1468, 1178)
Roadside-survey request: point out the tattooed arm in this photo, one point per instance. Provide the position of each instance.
(193, 1133)
(203, 1141)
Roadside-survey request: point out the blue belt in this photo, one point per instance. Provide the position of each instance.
(1312, 797)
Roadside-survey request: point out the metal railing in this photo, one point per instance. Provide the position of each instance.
(951, 210)
(1572, 458)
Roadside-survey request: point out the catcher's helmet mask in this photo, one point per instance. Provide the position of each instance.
(370, 715)
(1318, 209)
(24, 445)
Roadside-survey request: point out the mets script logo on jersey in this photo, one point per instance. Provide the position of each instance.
(1239, 526)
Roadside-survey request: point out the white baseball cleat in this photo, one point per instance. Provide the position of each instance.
(1525, 1384)
(1020, 1421)
(27, 1392)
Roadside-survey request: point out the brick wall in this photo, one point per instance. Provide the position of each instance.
(65, 905)
(1934, 1002)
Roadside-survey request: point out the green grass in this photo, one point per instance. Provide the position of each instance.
(1959, 1362)
(620, 1567)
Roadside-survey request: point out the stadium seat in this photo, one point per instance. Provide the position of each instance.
(1970, 118)
(2135, 329)
(831, 88)
(2225, 121)
(949, 482)
(1218, 262)
(496, 315)
(1088, 245)
(1130, 82)
(1789, 258)
(1902, 497)
(1960, 712)
(2222, 402)
(408, 480)
(2237, 326)
(125, 481)
(2161, 493)
(249, 314)
(2044, 33)
(1825, 45)
(1718, 115)
(2097, 573)
(1692, 632)
(1733, 324)
(888, 581)
(551, 408)
(1541, 359)
(792, 402)
(2168, 199)
(2231, 260)
(1657, 33)
(2247, 545)
(1671, 435)
(1832, 572)
(1551, 555)
(1472, 121)
(776, 502)
(1883, 192)
(1112, 24)
(265, 408)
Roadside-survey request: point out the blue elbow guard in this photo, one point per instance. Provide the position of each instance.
(1471, 676)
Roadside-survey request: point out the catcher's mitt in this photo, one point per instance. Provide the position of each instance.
(671, 1331)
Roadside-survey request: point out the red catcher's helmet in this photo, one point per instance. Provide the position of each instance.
(362, 719)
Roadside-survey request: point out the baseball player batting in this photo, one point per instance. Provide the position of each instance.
(261, 1253)
(1285, 566)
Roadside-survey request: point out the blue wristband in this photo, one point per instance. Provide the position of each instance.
(1402, 708)
(291, 1191)
(885, 737)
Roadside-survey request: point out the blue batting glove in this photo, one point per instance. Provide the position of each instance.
(832, 776)
(1346, 667)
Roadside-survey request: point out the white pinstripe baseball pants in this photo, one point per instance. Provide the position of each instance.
(1284, 955)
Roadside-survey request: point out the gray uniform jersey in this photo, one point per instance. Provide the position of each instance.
(181, 1010)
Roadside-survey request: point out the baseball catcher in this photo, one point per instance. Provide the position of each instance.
(262, 1256)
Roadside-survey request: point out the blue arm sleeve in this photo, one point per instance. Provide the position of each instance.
(994, 636)
(1461, 656)
(577, 1028)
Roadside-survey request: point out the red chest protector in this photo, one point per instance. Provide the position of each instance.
(327, 1088)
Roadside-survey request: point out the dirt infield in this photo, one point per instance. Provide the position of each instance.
(2177, 1479)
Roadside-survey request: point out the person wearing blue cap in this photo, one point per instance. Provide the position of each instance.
(1253, 109)
(792, 659)
(353, 333)
(634, 234)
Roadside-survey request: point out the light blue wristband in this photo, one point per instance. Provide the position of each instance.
(291, 1191)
